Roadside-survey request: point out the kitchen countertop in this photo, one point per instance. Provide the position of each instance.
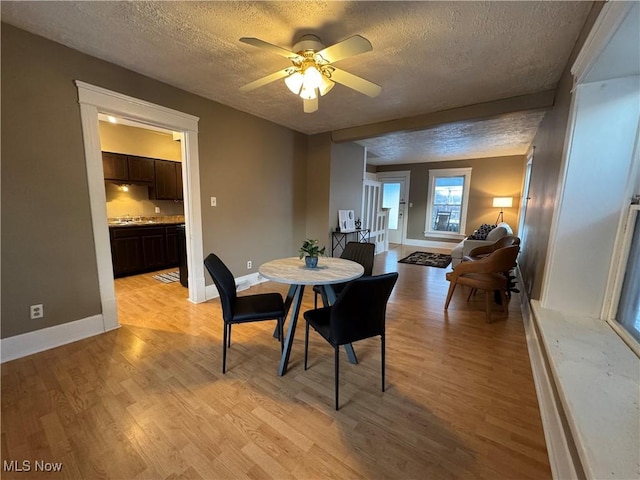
(145, 221)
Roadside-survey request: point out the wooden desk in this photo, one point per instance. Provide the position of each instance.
(292, 271)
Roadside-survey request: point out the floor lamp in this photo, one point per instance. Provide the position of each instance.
(502, 202)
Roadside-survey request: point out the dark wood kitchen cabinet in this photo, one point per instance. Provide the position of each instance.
(138, 249)
(168, 181)
(115, 166)
(128, 168)
(141, 169)
(172, 244)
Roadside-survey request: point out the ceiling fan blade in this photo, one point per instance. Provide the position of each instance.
(347, 48)
(265, 80)
(358, 84)
(256, 42)
(310, 106)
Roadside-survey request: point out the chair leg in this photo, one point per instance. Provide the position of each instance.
(306, 343)
(229, 337)
(281, 333)
(472, 292)
(505, 302)
(224, 349)
(382, 344)
(488, 300)
(337, 367)
(452, 287)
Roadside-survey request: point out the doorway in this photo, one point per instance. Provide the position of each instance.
(144, 190)
(394, 195)
(94, 100)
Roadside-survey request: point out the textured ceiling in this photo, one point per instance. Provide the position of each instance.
(427, 56)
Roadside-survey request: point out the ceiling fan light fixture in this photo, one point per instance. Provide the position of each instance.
(294, 82)
(325, 85)
(312, 78)
(308, 93)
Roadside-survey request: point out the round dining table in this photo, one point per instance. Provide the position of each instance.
(294, 272)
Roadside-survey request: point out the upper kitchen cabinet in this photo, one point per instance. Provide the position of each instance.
(115, 166)
(128, 168)
(141, 169)
(168, 182)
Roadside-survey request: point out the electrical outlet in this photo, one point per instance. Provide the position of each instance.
(36, 311)
(157, 209)
(249, 265)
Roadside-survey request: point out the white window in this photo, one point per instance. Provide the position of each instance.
(626, 314)
(448, 196)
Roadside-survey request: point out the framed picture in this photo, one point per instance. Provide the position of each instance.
(346, 220)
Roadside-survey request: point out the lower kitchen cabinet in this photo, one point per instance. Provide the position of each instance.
(138, 249)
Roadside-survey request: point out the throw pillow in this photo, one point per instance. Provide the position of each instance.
(482, 232)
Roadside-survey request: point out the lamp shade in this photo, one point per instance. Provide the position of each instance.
(502, 202)
(294, 82)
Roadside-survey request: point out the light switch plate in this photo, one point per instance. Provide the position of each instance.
(213, 201)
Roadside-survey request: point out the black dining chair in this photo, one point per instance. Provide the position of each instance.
(362, 253)
(243, 309)
(358, 313)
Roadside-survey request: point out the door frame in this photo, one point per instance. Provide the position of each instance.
(406, 175)
(524, 198)
(94, 100)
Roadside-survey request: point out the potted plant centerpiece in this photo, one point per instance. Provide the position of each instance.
(310, 251)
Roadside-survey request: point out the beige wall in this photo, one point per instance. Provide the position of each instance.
(347, 173)
(139, 141)
(490, 177)
(136, 203)
(48, 252)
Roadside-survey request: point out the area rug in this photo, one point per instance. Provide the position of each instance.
(168, 277)
(427, 259)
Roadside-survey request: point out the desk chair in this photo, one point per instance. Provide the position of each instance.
(248, 308)
(358, 313)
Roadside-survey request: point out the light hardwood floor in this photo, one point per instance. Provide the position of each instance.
(149, 399)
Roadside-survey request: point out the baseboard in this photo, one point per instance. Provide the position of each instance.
(242, 283)
(559, 446)
(20, 346)
(433, 245)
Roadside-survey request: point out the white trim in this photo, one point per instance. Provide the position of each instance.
(617, 274)
(448, 172)
(605, 27)
(94, 100)
(558, 449)
(242, 283)
(51, 337)
(432, 245)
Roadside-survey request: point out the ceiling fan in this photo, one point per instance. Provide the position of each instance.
(312, 73)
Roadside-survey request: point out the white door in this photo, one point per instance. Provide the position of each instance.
(393, 198)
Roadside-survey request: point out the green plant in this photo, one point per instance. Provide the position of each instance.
(310, 248)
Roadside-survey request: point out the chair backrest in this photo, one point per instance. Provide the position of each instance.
(225, 283)
(363, 253)
(506, 241)
(503, 259)
(360, 310)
